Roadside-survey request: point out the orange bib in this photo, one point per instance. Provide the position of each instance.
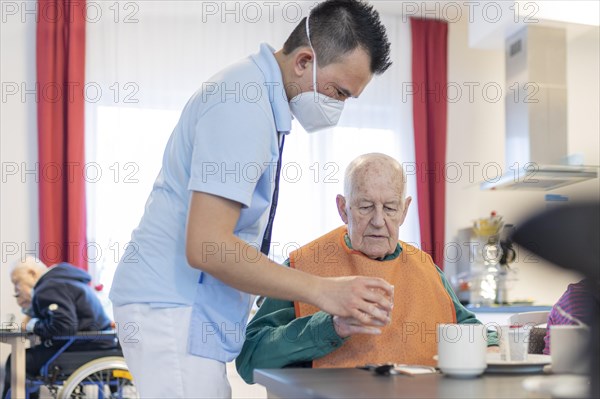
(420, 301)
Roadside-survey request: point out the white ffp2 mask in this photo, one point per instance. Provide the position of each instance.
(315, 111)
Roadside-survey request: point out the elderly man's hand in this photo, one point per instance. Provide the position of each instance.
(347, 326)
(24, 323)
(365, 299)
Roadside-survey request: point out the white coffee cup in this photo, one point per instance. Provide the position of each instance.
(570, 349)
(514, 343)
(462, 349)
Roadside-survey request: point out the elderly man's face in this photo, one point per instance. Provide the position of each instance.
(24, 281)
(375, 211)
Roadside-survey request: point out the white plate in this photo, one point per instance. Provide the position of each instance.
(533, 364)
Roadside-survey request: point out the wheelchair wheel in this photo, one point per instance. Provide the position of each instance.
(103, 378)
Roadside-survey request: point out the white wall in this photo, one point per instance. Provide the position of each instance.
(582, 77)
(18, 150)
(476, 135)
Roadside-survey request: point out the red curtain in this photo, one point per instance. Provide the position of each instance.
(60, 52)
(429, 75)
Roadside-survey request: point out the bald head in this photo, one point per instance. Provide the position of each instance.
(367, 166)
(374, 204)
(24, 275)
(29, 265)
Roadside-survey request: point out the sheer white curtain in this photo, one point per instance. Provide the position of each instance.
(145, 59)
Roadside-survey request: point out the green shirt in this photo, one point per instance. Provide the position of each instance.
(275, 338)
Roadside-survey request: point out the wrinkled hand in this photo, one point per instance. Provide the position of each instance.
(367, 300)
(493, 349)
(347, 326)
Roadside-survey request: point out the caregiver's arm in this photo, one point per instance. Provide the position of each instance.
(212, 247)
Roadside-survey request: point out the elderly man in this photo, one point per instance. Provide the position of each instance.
(373, 208)
(58, 301)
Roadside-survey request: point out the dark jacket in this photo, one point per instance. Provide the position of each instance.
(65, 304)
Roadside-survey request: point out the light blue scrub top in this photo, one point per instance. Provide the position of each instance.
(226, 144)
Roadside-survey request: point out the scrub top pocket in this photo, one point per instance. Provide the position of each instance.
(219, 318)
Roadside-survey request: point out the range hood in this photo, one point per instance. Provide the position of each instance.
(536, 114)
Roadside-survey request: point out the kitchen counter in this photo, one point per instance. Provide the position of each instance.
(507, 308)
(500, 314)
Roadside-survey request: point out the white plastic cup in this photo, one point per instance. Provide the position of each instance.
(514, 343)
(462, 349)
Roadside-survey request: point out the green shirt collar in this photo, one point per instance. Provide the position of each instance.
(387, 257)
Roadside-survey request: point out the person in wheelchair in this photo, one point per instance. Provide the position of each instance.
(58, 301)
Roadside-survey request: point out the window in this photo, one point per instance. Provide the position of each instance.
(124, 159)
(146, 69)
(128, 150)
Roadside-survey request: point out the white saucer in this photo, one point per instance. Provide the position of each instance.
(533, 364)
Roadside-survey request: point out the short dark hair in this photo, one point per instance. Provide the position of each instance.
(340, 26)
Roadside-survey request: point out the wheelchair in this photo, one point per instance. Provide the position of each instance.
(100, 373)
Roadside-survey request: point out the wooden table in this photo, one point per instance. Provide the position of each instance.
(17, 340)
(355, 383)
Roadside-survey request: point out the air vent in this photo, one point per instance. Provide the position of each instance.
(543, 178)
